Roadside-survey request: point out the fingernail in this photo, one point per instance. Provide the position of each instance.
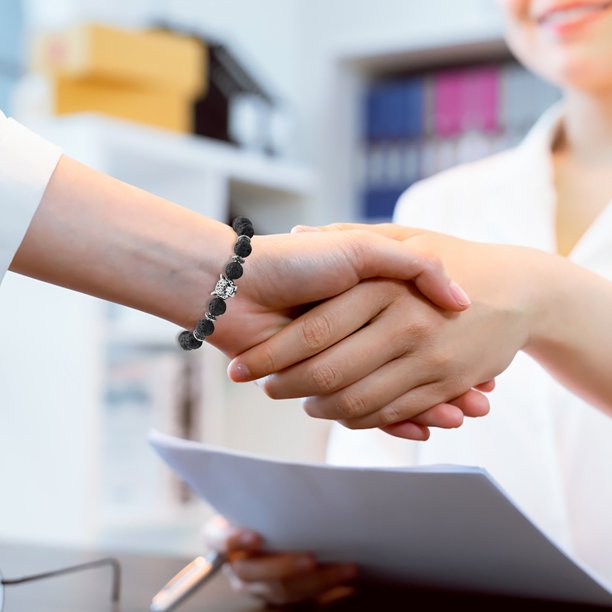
(238, 372)
(461, 297)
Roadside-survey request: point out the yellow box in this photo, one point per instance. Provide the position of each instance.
(157, 107)
(153, 59)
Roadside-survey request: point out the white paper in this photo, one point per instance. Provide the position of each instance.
(440, 526)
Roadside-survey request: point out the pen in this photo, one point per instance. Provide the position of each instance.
(183, 584)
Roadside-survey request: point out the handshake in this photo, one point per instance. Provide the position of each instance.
(366, 325)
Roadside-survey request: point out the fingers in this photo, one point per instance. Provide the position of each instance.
(372, 393)
(363, 370)
(280, 578)
(299, 587)
(409, 430)
(223, 537)
(446, 416)
(273, 567)
(313, 332)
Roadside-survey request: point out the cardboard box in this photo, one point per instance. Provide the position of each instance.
(157, 107)
(151, 59)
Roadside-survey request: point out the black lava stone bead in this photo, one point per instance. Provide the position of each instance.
(204, 328)
(217, 306)
(187, 342)
(233, 270)
(243, 247)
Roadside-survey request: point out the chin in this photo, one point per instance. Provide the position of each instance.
(584, 67)
(582, 71)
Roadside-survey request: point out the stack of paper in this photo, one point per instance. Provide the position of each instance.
(441, 526)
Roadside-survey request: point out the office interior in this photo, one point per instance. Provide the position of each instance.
(324, 111)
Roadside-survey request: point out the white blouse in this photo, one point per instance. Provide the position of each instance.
(27, 162)
(547, 448)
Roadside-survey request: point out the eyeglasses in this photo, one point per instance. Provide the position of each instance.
(112, 563)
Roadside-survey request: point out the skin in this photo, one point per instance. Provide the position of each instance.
(581, 159)
(97, 235)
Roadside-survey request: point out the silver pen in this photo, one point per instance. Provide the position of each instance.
(183, 584)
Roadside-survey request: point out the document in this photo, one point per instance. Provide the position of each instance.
(438, 526)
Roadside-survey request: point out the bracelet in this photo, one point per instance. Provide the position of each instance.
(224, 289)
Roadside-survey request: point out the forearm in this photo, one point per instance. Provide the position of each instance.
(103, 237)
(571, 331)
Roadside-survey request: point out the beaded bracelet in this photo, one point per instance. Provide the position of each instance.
(224, 289)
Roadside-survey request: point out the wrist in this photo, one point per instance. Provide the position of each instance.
(544, 282)
(200, 250)
(224, 288)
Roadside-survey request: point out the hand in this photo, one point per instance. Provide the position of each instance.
(277, 578)
(287, 273)
(410, 356)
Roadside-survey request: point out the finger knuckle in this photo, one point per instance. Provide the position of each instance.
(317, 332)
(410, 337)
(432, 262)
(266, 361)
(391, 414)
(351, 405)
(325, 378)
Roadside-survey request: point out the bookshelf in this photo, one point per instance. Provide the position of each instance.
(87, 415)
(378, 164)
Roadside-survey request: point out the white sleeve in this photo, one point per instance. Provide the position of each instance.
(27, 162)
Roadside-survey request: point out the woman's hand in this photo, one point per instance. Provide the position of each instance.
(277, 578)
(407, 355)
(286, 274)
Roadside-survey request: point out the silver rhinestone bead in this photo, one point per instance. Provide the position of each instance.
(197, 337)
(225, 288)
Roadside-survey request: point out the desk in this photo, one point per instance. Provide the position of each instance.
(89, 591)
(142, 576)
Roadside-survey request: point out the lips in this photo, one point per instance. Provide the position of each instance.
(573, 14)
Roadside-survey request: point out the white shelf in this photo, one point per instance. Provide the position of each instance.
(192, 153)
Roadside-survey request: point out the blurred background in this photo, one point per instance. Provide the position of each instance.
(289, 111)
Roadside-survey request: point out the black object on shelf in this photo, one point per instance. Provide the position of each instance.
(227, 78)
